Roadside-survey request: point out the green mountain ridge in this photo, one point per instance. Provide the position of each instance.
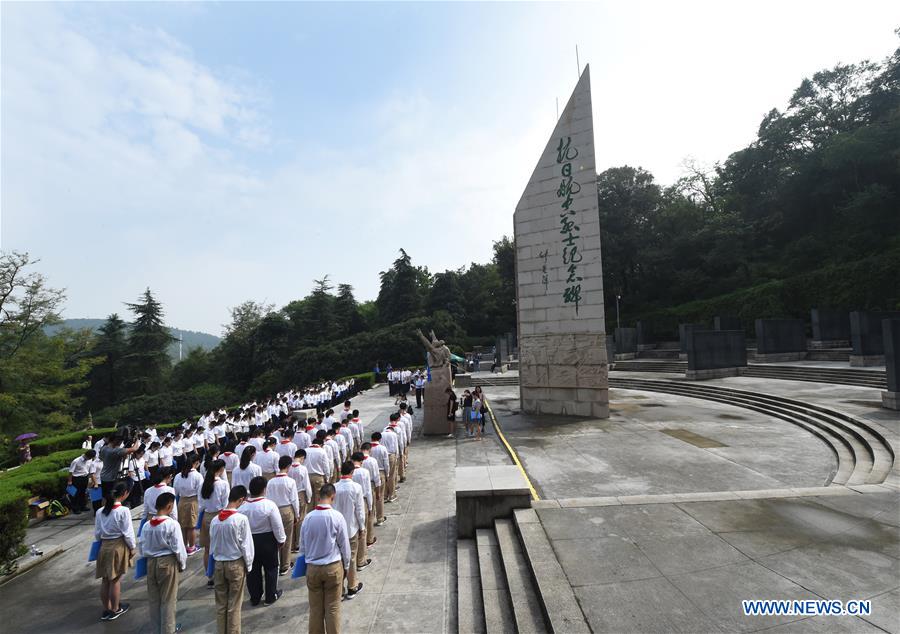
(191, 338)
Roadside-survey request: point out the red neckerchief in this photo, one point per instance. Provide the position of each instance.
(249, 501)
(156, 521)
(354, 420)
(346, 477)
(310, 427)
(375, 444)
(159, 486)
(286, 441)
(266, 450)
(344, 424)
(228, 453)
(323, 508)
(224, 514)
(280, 475)
(117, 505)
(296, 464)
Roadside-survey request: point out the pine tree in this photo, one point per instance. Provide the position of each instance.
(147, 355)
(108, 377)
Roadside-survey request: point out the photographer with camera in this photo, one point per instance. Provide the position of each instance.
(113, 456)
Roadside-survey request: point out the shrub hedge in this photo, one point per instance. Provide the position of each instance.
(867, 284)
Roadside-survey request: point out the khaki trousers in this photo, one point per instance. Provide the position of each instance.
(324, 584)
(351, 571)
(315, 481)
(370, 520)
(379, 497)
(391, 486)
(162, 588)
(229, 577)
(301, 498)
(284, 551)
(401, 465)
(362, 548)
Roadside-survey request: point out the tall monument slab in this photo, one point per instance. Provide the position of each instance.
(559, 291)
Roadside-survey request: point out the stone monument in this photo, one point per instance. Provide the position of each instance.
(434, 420)
(559, 289)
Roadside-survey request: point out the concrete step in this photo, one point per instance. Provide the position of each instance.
(469, 606)
(498, 610)
(864, 455)
(560, 607)
(658, 354)
(522, 591)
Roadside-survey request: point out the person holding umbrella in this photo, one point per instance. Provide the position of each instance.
(24, 447)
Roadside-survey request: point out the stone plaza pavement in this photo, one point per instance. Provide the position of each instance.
(669, 513)
(410, 586)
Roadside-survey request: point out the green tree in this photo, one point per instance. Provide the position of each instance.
(403, 290)
(147, 357)
(347, 318)
(239, 347)
(107, 378)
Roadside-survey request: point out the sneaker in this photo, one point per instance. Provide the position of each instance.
(372, 543)
(282, 573)
(450, 436)
(393, 499)
(351, 594)
(368, 561)
(210, 584)
(278, 594)
(178, 628)
(193, 550)
(105, 616)
(123, 608)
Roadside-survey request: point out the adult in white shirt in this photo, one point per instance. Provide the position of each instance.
(231, 546)
(114, 531)
(350, 502)
(79, 477)
(325, 544)
(247, 469)
(163, 546)
(268, 535)
(283, 491)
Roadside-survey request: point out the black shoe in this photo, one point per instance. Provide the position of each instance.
(123, 608)
(351, 594)
(105, 616)
(368, 561)
(278, 594)
(210, 584)
(254, 603)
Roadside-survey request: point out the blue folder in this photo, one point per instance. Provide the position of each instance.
(210, 567)
(200, 520)
(71, 490)
(96, 494)
(95, 551)
(140, 568)
(141, 526)
(299, 567)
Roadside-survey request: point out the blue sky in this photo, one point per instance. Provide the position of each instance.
(232, 151)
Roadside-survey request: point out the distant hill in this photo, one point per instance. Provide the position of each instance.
(191, 338)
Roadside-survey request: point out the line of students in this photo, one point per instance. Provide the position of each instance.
(253, 528)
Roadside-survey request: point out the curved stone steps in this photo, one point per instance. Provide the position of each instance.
(864, 456)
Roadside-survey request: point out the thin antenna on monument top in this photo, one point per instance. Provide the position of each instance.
(577, 62)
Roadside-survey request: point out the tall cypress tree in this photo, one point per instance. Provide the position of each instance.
(108, 377)
(147, 350)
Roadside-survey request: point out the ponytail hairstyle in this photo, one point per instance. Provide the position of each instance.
(188, 465)
(120, 489)
(209, 482)
(247, 456)
(212, 455)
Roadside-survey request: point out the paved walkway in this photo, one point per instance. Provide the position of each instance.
(410, 586)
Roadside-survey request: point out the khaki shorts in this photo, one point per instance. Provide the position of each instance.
(188, 512)
(113, 560)
(204, 528)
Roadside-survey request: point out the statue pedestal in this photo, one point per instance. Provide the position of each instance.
(434, 409)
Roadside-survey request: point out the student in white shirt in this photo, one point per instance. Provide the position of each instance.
(231, 460)
(161, 484)
(163, 546)
(282, 490)
(382, 457)
(113, 528)
(300, 476)
(268, 536)
(267, 459)
(151, 458)
(213, 498)
(286, 446)
(231, 546)
(187, 486)
(349, 502)
(165, 453)
(363, 478)
(136, 469)
(370, 464)
(247, 468)
(178, 450)
(326, 546)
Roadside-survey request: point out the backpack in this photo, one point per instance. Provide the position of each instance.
(57, 509)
